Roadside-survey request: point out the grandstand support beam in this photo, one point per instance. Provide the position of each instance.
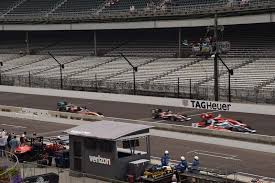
(216, 63)
(1, 64)
(61, 67)
(95, 44)
(230, 72)
(179, 43)
(135, 69)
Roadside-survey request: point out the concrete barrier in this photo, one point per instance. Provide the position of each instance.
(74, 116)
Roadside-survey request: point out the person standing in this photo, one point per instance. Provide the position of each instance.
(14, 143)
(182, 166)
(195, 165)
(165, 160)
(8, 142)
(2, 145)
(3, 133)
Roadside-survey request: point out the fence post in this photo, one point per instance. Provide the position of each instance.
(29, 78)
(178, 88)
(190, 88)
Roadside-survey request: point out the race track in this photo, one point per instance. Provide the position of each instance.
(249, 163)
(264, 124)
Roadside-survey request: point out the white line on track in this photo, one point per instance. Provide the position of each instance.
(15, 126)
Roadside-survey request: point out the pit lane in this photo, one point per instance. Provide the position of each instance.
(264, 124)
(253, 162)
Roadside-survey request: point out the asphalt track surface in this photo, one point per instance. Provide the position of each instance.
(253, 162)
(264, 124)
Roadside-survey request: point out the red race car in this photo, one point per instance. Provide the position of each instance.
(169, 115)
(223, 124)
(68, 107)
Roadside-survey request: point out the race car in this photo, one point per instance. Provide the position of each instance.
(223, 124)
(169, 115)
(64, 106)
(156, 171)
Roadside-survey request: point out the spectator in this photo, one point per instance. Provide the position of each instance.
(2, 145)
(14, 143)
(3, 133)
(8, 141)
(165, 160)
(195, 165)
(23, 138)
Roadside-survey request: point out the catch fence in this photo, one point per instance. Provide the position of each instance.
(186, 88)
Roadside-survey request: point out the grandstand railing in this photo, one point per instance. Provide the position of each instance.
(187, 10)
(195, 91)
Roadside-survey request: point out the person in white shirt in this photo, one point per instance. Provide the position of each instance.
(3, 141)
(3, 133)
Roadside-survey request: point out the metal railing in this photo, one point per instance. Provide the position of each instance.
(183, 90)
(9, 167)
(29, 169)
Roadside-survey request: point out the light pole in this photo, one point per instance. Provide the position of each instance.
(1, 64)
(135, 69)
(230, 73)
(61, 67)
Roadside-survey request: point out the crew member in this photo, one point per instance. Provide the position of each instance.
(182, 166)
(165, 160)
(195, 165)
(14, 143)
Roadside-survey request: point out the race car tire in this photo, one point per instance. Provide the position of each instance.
(173, 118)
(239, 121)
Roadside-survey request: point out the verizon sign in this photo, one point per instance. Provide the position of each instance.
(100, 160)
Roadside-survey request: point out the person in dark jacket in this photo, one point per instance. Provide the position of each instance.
(165, 160)
(182, 166)
(195, 165)
(8, 141)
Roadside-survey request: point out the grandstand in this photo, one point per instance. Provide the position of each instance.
(161, 58)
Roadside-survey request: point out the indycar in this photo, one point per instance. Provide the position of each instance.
(64, 106)
(223, 124)
(169, 115)
(156, 171)
(36, 147)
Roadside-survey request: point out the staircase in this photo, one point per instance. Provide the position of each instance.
(55, 66)
(13, 7)
(12, 58)
(56, 7)
(128, 69)
(225, 72)
(23, 65)
(91, 67)
(263, 84)
(173, 70)
(102, 7)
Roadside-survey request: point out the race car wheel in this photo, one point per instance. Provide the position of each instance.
(173, 118)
